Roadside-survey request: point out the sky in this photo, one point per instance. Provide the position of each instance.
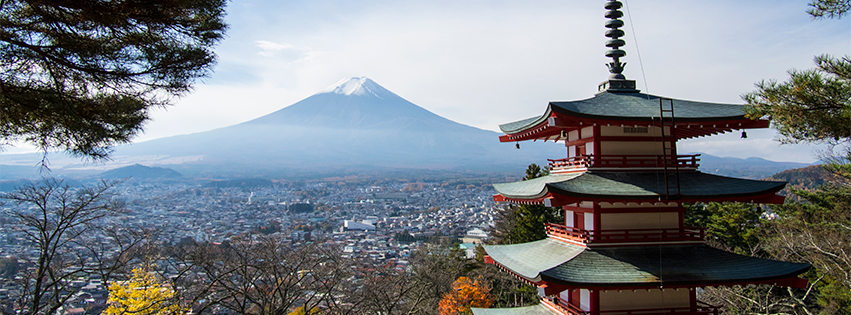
(489, 62)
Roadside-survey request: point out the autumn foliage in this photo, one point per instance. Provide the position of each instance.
(301, 311)
(143, 294)
(466, 293)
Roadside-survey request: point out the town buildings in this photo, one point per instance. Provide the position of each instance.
(188, 210)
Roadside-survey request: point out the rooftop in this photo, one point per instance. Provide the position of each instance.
(561, 263)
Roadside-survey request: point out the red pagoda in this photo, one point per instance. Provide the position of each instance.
(623, 248)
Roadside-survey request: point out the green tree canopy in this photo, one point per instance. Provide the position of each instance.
(829, 8)
(80, 75)
(814, 105)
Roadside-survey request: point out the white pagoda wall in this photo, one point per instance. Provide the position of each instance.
(631, 148)
(643, 299)
(622, 221)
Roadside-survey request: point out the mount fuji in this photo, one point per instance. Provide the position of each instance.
(353, 123)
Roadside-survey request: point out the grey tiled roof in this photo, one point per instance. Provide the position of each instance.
(533, 188)
(633, 266)
(528, 259)
(636, 185)
(633, 107)
(667, 265)
(521, 124)
(539, 309)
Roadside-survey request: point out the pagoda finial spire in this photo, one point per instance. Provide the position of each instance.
(617, 81)
(614, 32)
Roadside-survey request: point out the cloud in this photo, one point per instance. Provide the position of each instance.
(271, 49)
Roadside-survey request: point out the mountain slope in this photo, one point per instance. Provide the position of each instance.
(355, 122)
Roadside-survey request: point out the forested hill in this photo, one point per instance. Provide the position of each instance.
(752, 167)
(807, 178)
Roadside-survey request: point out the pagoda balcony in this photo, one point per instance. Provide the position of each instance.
(602, 237)
(562, 306)
(624, 162)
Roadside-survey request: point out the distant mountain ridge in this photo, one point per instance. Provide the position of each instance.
(752, 167)
(138, 171)
(354, 123)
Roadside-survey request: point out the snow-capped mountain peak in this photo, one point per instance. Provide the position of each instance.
(360, 86)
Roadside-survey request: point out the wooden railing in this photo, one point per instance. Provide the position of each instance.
(625, 161)
(700, 309)
(626, 235)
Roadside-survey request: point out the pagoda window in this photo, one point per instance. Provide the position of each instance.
(635, 130)
(585, 300)
(644, 299)
(589, 221)
(565, 295)
(569, 218)
(612, 206)
(630, 131)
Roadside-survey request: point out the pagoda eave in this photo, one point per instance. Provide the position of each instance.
(556, 127)
(551, 286)
(537, 309)
(792, 281)
(561, 265)
(563, 189)
(558, 200)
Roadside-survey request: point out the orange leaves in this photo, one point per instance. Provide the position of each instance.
(465, 294)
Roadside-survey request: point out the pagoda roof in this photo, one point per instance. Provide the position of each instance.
(529, 259)
(597, 185)
(638, 107)
(637, 266)
(668, 265)
(538, 309)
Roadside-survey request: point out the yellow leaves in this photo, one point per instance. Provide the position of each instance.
(465, 294)
(143, 294)
(300, 311)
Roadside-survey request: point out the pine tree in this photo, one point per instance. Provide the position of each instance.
(81, 75)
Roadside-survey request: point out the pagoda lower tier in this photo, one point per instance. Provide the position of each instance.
(562, 265)
(650, 279)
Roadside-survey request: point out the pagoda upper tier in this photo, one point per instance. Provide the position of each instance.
(690, 119)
